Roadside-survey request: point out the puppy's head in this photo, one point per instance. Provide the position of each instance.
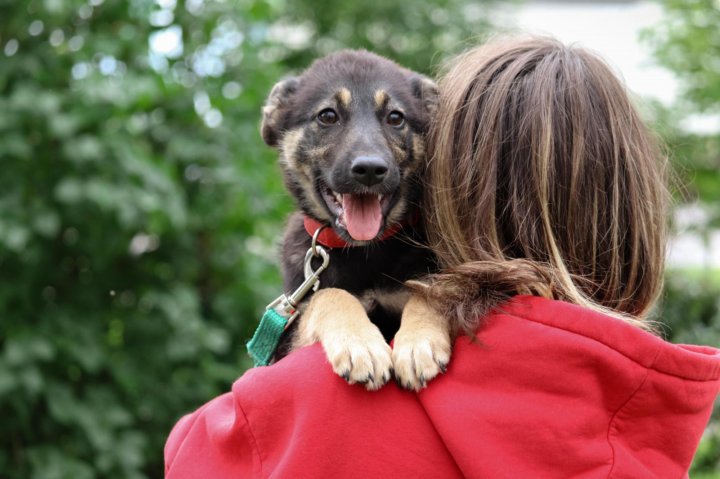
(350, 131)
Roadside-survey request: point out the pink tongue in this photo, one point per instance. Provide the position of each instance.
(363, 216)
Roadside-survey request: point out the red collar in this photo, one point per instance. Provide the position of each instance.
(329, 238)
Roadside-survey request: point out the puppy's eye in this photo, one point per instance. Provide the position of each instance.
(396, 119)
(328, 117)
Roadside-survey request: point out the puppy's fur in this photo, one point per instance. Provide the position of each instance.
(349, 131)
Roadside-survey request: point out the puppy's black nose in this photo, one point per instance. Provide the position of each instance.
(369, 170)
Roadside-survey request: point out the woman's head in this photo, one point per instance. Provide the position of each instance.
(543, 179)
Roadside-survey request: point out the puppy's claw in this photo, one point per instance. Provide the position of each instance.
(419, 355)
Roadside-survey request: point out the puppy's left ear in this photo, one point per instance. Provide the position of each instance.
(427, 91)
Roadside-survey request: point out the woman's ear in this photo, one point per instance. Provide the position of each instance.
(276, 109)
(426, 90)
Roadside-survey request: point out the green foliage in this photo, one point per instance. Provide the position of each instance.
(687, 42)
(419, 34)
(139, 209)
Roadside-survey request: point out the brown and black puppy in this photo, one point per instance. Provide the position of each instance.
(350, 132)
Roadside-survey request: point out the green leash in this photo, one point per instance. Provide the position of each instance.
(264, 342)
(283, 310)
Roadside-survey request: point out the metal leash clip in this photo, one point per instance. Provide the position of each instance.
(286, 305)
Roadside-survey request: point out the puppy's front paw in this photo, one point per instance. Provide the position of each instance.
(420, 353)
(360, 356)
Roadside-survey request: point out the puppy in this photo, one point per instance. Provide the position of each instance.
(350, 135)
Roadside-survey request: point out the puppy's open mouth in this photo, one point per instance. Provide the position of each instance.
(362, 215)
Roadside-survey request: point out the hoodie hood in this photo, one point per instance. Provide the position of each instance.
(546, 389)
(557, 384)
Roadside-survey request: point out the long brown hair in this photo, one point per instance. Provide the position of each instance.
(542, 180)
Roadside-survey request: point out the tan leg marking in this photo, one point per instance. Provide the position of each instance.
(422, 345)
(354, 346)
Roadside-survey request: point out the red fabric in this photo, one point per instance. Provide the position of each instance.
(548, 390)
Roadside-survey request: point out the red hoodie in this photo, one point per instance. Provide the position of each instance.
(549, 390)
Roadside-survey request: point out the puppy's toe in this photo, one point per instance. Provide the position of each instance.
(381, 356)
(361, 358)
(419, 356)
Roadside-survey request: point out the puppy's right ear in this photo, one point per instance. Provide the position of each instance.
(275, 109)
(427, 91)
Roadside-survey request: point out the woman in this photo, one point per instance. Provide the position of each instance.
(546, 206)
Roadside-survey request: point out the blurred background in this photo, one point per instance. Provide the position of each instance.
(140, 211)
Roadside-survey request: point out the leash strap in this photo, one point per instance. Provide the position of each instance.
(264, 342)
